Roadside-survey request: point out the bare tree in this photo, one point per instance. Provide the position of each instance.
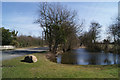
(89, 38)
(57, 22)
(94, 31)
(114, 31)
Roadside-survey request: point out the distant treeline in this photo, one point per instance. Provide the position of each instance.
(25, 41)
(110, 44)
(10, 38)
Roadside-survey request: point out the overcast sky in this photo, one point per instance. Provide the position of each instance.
(21, 15)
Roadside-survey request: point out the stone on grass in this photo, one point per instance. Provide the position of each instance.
(30, 58)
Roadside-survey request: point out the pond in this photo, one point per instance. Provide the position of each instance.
(81, 56)
(9, 54)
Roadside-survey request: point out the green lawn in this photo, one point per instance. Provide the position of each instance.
(44, 68)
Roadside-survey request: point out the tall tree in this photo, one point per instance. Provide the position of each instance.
(114, 30)
(6, 36)
(89, 38)
(57, 22)
(94, 31)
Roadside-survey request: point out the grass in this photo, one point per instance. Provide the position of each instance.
(44, 68)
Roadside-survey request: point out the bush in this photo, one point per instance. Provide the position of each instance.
(15, 43)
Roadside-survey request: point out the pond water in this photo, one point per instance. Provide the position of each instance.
(9, 54)
(82, 57)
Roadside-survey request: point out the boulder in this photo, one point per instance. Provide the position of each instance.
(30, 58)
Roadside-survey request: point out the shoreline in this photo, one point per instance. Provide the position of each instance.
(43, 66)
(10, 54)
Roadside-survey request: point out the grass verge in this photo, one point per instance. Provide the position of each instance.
(44, 68)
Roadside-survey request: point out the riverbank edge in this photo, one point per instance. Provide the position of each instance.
(23, 48)
(101, 50)
(9, 62)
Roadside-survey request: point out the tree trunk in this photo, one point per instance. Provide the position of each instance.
(50, 41)
(55, 47)
(50, 46)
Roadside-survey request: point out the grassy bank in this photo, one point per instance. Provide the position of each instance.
(46, 69)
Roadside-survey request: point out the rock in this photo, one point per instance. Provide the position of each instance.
(30, 59)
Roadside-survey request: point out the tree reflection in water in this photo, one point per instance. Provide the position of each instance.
(82, 57)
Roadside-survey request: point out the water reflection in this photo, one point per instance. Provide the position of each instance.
(83, 57)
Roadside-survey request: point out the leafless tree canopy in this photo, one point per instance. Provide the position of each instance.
(58, 23)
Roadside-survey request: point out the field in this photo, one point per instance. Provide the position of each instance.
(44, 68)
